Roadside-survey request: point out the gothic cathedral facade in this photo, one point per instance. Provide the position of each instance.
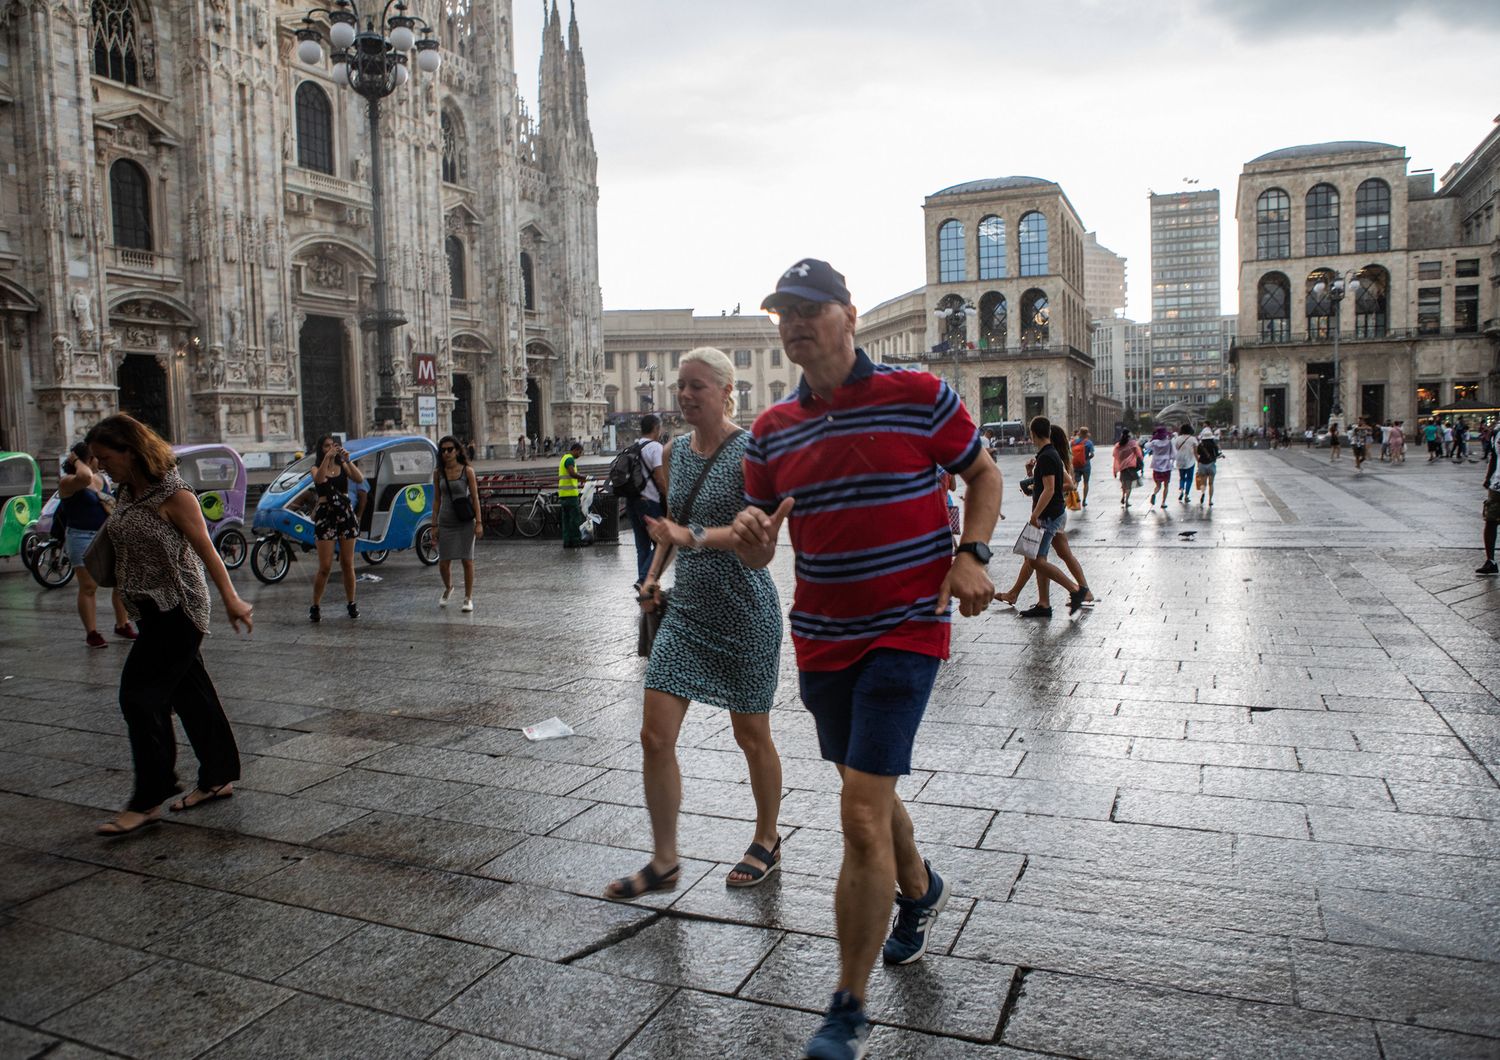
(186, 229)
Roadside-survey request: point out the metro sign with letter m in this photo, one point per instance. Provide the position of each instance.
(426, 370)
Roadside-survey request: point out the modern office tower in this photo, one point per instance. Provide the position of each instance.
(1188, 348)
(1103, 279)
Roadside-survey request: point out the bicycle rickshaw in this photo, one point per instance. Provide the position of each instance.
(398, 517)
(217, 475)
(20, 504)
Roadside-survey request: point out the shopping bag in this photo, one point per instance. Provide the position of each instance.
(1029, 543)
(1071, 500)
(1200, 481)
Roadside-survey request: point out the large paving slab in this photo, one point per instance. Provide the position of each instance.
(1245, 806)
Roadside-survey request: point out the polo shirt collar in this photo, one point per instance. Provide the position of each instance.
(862, 370)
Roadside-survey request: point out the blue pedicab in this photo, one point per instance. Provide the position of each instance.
(399, 515)
(217, 475)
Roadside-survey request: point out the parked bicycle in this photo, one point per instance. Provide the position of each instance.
(542, 512)
(499, 519)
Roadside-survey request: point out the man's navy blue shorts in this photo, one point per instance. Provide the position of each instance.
(867, 714)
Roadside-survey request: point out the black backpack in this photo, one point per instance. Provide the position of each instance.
(1208, 451)
(628, 474)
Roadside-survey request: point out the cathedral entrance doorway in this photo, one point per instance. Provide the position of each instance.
(463, 407)
(143, 392)
(324, 395)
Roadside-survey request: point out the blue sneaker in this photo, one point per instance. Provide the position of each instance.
(914, 920)
(845, 1032)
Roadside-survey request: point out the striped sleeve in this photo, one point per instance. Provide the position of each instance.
(760, 489)
(955, 439)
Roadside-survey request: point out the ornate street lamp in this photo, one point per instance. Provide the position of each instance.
(373, 61)
(1335, 292)
(955, 335)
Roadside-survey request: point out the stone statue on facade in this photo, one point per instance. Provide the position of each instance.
(75, 207)
(231, 237)
(62, 357)
(83, 313)
(50, 205)
(275, 329)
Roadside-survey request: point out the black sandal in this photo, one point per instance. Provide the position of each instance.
(771, 858)
(211, 795)
(643, 882)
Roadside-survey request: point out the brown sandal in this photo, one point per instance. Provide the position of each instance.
(113, 829)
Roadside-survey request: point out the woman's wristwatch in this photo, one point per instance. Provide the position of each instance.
(698, 534)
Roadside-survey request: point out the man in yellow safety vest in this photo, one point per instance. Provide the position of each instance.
(569, 486)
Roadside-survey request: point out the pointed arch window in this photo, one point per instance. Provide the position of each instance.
(1033, 240)
(994, 321)
(1372, 215)
(453, 148)
(1036, 319)
(115, 41)
(951, 266)
(1322, 221)
(992, 248)
(528, 282)
(314, 128)
(130, 205)
(1273, 302)
(1273, 225)
(457, 279)
(1370, 302)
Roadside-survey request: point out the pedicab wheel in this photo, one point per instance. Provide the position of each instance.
(376, 557)
(232, 548)
(427, 545)
(31, 544)
(52, 569)
(529, 521)
(270, 560)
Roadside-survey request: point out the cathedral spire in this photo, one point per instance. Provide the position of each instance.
(553, 104)
(578, 91)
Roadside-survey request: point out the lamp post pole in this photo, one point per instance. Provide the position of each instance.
(1335, 292)
(373, 62)
(955, 320)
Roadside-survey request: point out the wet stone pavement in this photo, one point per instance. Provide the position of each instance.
(1245, 807)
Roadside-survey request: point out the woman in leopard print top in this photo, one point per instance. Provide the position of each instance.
(161, 548)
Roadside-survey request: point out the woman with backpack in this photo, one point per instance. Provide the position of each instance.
(1083, 463)
(1128, 461)
(1163, 456)
(1208, 466)
(1185, 451)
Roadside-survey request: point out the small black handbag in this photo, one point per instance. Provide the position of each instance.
(463, 507)
(650, 621)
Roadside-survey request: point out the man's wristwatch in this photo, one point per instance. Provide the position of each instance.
(699, 535)
(978, 549)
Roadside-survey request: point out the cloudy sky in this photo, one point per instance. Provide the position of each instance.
(734, 138)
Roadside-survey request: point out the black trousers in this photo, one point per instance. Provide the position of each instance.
(164, 675)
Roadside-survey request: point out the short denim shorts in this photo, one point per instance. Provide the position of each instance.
(1050, 529)
(867, 714)
(77, 543)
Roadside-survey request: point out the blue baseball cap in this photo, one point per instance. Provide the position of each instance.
(810, 280)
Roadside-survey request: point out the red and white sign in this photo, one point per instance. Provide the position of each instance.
(426, 369)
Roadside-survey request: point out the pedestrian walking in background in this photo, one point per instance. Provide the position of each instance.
(334, 521)
(649, 451)
(455, 510)
(1385, 442)
(1307, 436)
(1491, 513)
(876, 571)
(161, 549)
(1185, 453)
(1209, 455)
(1334, 443)
(570, 482)
(1128, 461)
(1447, 450)
(1060, 543)
(1359, 443)
(85, 505)
(1163, 455)
(1460, 442)
(1050, 514)
(1398, 443)
(720, 640)
(1083, 463)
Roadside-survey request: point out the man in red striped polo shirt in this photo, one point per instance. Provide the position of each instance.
(853, 460)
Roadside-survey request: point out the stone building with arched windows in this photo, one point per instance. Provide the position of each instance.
(1340, 237)
(1004, 318)
(186, 229)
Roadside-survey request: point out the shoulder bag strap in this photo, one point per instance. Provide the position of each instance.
(687, 508)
